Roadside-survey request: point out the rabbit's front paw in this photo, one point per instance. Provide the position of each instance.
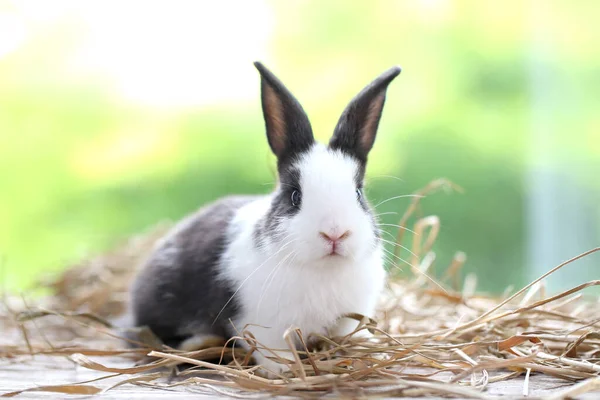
(270, 368)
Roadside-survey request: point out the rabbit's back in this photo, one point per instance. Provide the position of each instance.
(181, 291)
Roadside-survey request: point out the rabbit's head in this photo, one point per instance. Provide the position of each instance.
(318, 210)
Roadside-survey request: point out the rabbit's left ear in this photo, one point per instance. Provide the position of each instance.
(356, 129)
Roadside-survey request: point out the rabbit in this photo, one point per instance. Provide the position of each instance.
(303, 256)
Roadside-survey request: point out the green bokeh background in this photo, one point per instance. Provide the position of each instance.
(81, 168)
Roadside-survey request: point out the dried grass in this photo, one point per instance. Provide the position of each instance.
(430, 339)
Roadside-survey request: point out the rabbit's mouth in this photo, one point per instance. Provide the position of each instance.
(334, 253)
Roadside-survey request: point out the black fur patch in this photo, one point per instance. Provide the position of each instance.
(179, 292)
(281, 205)
(359, 177)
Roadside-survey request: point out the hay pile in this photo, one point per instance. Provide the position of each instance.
(429, 339)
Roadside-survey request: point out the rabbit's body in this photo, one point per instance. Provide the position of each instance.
(302, 257)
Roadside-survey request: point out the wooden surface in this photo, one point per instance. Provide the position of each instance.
(26, 372)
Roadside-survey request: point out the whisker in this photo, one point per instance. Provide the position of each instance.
(273, 270)
(386, 176)
(284, 271)
(391, 263)
(272, 276)
(400, 227)
(419, 271)
(398, 258)
(399, 197)
(248, 277)
(353, 257)
(289, 262)
(384, 231)
(398, 245)
(385, 213)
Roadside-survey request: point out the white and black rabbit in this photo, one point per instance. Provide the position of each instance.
(303, 256)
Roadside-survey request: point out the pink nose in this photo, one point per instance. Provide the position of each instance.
(334, 238)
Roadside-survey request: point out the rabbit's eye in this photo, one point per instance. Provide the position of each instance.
(296, 198)
(358, 194)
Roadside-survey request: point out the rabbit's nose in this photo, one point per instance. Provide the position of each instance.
(334, 237)
(334, 240)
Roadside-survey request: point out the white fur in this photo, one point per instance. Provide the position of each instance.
(294, 283)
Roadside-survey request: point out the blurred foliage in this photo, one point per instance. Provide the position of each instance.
(81, 169)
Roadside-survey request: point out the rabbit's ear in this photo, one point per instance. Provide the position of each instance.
(288, 129)
(356, 129)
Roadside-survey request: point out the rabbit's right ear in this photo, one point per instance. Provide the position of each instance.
(288, 129)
